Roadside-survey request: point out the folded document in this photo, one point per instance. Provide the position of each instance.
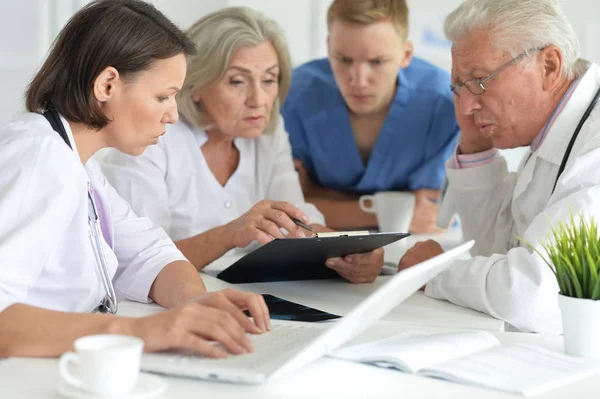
(473, 358)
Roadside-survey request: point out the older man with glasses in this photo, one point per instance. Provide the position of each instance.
(518, 81)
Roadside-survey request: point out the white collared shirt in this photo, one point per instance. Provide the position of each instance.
(172, 184)
(46, 257)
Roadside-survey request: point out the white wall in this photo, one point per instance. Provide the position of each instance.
(427, 16)
(27, 28)
(20, 53)
(301, 20)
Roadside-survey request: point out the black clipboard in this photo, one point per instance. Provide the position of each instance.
(302, 258)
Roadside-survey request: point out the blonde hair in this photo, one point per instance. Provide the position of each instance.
(366, 12)
(217, 37)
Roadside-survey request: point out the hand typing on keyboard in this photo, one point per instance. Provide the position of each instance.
(214, 316)
(283, 338)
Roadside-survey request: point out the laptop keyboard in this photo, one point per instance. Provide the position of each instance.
(281, 338)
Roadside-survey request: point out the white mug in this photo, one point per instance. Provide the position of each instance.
(394, 209)
(105, 364)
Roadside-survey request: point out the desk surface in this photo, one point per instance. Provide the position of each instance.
(339, 297)
(325, 378)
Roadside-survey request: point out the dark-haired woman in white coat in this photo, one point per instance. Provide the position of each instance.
(69, 245)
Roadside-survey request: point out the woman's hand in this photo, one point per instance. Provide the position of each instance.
(358, 268)
(263, 222)
(214, 316)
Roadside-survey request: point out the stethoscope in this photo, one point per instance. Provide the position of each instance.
(109, 302)
(584, 118)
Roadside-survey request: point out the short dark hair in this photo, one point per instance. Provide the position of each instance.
(129, 35)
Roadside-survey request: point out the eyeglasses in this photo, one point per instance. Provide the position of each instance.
(476, 87)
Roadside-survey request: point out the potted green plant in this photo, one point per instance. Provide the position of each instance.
(573, 254)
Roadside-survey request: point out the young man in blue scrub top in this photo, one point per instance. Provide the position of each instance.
(370, 117)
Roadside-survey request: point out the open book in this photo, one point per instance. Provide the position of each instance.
(473, 358)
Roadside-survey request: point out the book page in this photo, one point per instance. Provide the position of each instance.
(413, 350)
(520, 368)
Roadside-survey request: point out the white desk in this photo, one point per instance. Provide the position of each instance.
(325, 378)
(339, 297)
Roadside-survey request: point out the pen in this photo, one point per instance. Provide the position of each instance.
(301, 224)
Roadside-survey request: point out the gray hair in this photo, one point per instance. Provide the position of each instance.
(217, 37)
(518, 25)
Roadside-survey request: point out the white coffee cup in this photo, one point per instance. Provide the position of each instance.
(105, 364)
(394, 209)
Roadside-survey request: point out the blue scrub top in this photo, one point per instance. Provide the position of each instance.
(418, 135)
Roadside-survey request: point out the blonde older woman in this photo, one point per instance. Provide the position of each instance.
(223, 177)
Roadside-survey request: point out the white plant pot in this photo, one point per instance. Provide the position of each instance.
(581, 326)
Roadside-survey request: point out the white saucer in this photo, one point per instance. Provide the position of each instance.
(147, 386)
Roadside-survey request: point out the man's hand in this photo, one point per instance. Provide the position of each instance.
(471, 140)
(425, 212)
(262, 223)
(358, 268)
(420, 252)
(214, 316)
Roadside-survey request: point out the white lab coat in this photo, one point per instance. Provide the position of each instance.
(504, 278)
(172, 184)
(46, 257)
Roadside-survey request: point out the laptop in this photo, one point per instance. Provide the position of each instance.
(291, 345)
